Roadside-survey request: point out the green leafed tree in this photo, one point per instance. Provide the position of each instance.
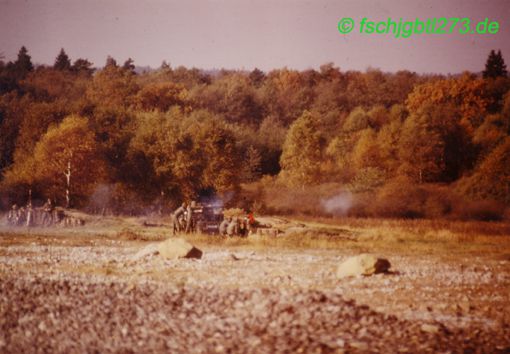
(257, 76)
(110, 62)
(129, 65)
(302, 152)
(434, 145)
(221, 158)
(113, 127)
(23, 64)
(495, 65)
(62, 62)
(82, 66)
(421, 149)
(251, 165)
(270, 136)
(12, 110)
(188, 153)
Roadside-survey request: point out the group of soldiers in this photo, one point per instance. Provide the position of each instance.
(184, 221)
(46, 215)
(30, 216)
(235, 226)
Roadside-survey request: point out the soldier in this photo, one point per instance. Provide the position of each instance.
(233, 227)
(21, 216)
(243, 227)
(223, 226)
(177, 218)
(251, 219)
(13, 216)
(189, 218)
(29, 214)
(47, 213)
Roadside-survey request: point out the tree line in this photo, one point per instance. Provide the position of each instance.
(402, 144)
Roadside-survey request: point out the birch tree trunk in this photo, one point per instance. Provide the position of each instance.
(68, 184)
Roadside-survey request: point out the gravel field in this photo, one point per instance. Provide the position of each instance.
(66, 295)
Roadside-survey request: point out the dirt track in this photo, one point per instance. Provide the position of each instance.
(69, 294)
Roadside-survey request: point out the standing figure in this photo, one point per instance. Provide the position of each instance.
(243, 227)
(29, 214)
(189, 218)
(13, 216)
(223, 226)
(22, 216)
(177, 218)
(233, 227)
(47, 213)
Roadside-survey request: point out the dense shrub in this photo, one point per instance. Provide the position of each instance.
(482, 210)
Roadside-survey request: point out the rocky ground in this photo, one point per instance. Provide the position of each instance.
(97, 294)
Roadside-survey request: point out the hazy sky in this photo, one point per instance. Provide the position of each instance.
(242, 34)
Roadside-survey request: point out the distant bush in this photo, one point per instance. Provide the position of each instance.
(440, 201)
(482, 210)
(272, 197)
(400, 198)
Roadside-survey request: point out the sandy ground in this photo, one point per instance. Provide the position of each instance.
(97, 294)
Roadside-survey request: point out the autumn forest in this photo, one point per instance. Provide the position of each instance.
(315, 142)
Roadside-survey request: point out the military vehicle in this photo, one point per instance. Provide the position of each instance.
(208, 217)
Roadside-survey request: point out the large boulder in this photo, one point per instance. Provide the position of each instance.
(174, 248)
(363, 264)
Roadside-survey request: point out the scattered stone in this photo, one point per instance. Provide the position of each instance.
(42, 326)
(208, 318)
(359, 345)
(464, 306)
(175, 248)
(429, 328)
(364, 264)
(234, 257)
(270, 301)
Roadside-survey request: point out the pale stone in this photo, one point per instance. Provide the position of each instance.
(147, 251)
(364, 264)
(175, 248)
(429, 328)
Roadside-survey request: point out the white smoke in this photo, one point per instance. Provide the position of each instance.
(339, 204)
